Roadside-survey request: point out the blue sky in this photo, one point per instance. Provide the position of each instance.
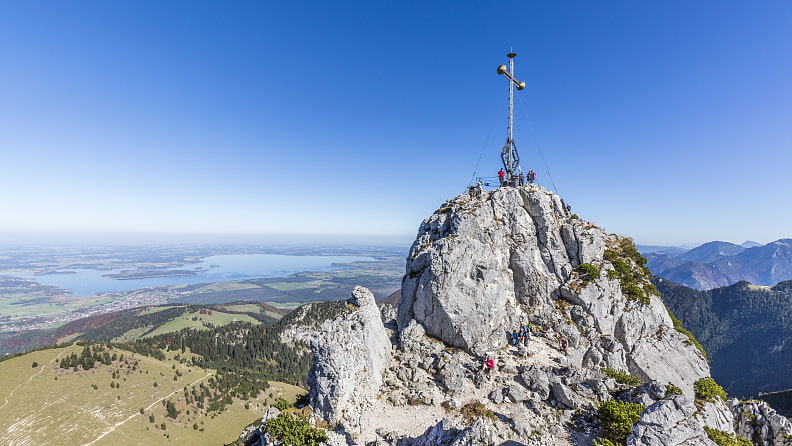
(665, 121)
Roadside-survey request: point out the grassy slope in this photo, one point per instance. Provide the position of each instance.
(37, 408)
(217, 318)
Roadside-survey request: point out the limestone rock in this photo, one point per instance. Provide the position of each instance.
(480, 432)
(565, 396)
(517, 394)
(669, 423)
(536, 380)
(350, 356)
(480, 267)
(716, 415)
(758, 422)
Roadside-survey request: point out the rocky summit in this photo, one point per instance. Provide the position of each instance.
(600, 361)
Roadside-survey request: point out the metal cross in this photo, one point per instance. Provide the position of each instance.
(509, 155)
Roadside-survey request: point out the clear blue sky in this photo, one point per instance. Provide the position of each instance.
(670, 122)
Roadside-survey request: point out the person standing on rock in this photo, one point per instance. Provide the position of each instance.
(564, 344)
(501, 176)
(531, 176)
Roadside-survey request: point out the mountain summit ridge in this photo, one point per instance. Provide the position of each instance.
(480, 268)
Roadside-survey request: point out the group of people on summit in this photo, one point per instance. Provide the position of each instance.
(520, 179)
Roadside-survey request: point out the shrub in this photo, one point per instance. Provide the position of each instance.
(604, 442)
(588, 271)
(672, 389)
(294, 430)
(476, 410)
(282, 404)
(726, 439)
(628, 267)
(707, 389)
(617, 419)
(622, 377)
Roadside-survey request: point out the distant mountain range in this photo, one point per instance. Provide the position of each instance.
(717, 264)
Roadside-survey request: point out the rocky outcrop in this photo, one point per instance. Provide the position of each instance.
(761, 424)
(669, 423)
(481, 267)
(350, 354)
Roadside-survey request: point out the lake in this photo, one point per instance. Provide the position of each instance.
(224, 268)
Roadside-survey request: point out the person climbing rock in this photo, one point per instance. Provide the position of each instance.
(564, 344)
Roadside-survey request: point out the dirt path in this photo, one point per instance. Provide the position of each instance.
(30, 379)
(111, 429)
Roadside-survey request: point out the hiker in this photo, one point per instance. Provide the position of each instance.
(489, 364)
(564, 344)
(501, 176)
(569, 208)
(531, 176)
(514, 337)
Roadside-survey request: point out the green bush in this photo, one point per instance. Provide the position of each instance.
(622, 377)
(296, 431)
(726, 439)
(588, 271)
(604, 442)
(707, 389)
(672, 389)
(628, 267)
(282, 404)
(617, 419)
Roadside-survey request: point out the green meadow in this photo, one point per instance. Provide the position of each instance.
(46, 404)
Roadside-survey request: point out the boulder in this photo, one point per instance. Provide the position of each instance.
(517, 394)
(565, 396)
(452, 375)
(536, 380)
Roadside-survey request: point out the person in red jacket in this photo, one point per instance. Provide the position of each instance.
(501, 176)
(489, 364)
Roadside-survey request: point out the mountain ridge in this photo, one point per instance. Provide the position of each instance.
(483, 266)
(716, 264)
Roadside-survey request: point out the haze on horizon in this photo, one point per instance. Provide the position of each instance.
(667, 122)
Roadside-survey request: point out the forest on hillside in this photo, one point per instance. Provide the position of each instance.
(745, 329)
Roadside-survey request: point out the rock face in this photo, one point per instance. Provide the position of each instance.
(669, 423)
(761, 424)
(481, 267)
(350, 355)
